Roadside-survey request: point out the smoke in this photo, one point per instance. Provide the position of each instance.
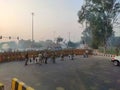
(5, 47)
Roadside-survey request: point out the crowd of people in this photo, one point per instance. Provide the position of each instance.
(43, 57)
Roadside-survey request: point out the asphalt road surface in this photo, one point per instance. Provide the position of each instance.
(93, 73)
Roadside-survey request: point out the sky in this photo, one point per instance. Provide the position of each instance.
(52, 18)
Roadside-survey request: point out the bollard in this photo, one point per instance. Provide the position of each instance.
(14, 84)
(1, 86)
(18, 85)
(29, 88)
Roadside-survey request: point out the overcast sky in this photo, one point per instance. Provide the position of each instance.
(52, 18)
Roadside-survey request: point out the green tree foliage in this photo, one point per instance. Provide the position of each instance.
(101, 15)
(87, 36)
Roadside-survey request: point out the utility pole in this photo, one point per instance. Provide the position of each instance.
(69, 36)
(54, 36)
(32, 26)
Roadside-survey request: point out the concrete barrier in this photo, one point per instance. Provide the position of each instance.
(18, 85)
(1, 86)
(105, 55)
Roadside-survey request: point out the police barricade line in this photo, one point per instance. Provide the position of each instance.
(18, 85)
(1, 86)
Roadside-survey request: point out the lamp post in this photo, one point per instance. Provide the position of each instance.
(69, 36)
(32, 28)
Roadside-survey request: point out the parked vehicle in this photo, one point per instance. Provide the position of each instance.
(116, 60)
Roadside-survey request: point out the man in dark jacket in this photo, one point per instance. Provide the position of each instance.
(26, 58)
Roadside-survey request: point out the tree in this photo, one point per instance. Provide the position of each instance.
(87, 36)
(101, 15)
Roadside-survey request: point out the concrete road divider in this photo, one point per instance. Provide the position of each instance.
(18, 85)
(106, 55)
(1, 86)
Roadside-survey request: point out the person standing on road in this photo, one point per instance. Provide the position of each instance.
(62, 57)
(40, 58)
(72, 56)
(86, 52)
(46, 57)
(54, 57)
(26, 58)
(69, 56)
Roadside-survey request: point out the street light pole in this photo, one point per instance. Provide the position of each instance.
(32, 26)
(32, 29)
(69, 36)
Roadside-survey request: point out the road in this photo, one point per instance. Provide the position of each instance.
(93, 73)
